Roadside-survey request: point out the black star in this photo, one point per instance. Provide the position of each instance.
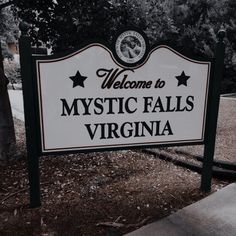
(182, 79)
(78, 79)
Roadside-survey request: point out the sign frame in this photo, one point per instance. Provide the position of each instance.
(38, 59)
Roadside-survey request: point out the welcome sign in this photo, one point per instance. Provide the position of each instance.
(105, 97)
(98, 98)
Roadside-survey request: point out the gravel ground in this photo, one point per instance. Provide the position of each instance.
(226, 134)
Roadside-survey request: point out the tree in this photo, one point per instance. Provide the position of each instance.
(7, 132)
(190, 25)
(199, 22)
(8, 27)
(80, 20)
(229, 17)
(85, 19)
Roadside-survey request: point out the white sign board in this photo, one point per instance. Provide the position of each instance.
(88, 101)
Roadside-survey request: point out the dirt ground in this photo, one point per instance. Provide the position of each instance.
(83, 194)
(225, 149)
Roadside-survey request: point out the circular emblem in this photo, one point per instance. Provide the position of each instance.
(130, 46)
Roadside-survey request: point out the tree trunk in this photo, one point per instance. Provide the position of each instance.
(7, 132)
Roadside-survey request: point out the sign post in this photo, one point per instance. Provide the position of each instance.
(30, 113)
(213, 108)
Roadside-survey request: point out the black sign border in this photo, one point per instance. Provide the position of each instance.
(36, 58)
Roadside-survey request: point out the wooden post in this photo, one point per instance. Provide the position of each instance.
(211, 126)
(29, 109)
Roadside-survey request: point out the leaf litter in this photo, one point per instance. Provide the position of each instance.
(95, 193)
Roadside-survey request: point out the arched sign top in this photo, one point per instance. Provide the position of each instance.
(155, 49)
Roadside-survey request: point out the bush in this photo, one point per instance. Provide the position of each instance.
(190, 25)
(12, 71)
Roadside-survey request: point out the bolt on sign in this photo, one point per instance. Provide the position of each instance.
(105, 97)
(98, 98)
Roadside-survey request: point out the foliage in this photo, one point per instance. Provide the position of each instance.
(199, 22)
(5, 51)
(190, 25)
(65, 24)
(9, 32)
(8, 29)
(153, 18)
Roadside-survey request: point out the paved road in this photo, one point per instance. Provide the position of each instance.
(17, 104)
